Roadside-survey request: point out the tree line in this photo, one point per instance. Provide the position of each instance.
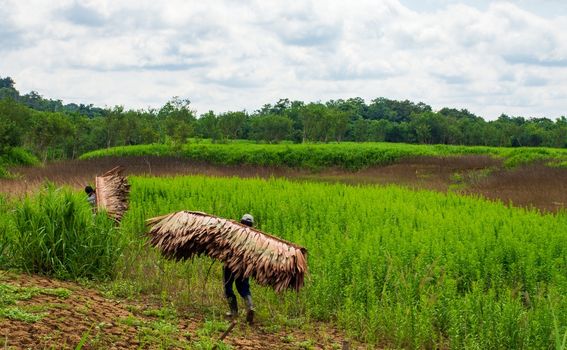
(54, 130)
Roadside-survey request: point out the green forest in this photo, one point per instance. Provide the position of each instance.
(51, 129)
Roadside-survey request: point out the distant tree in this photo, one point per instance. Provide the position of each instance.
(178, 119)
(271, 128)
(8, 93)
(355, 107)
(422, 130)
(10, 134)
(208, 126)
(15, 122)
(314, 120)
(398, 132)
(359, 130)
(377, 130)
(112, 125)
(338, 121)
(458, 114)
(281, 106)
(7, 89)
(35, 101)
(49, 134)
(395, 111)
(380, 108)
(310, 116)
(231, 124)
(294, 113)
(7, 83)
(559, 133)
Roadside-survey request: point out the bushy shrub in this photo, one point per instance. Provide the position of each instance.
(15, 156)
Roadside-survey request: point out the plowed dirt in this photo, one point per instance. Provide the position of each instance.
(536, 185)
(123, 324)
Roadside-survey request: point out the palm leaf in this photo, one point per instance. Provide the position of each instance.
(248, 252)
(112, 190)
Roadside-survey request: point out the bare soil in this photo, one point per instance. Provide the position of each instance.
(118, 324)
(533, 186)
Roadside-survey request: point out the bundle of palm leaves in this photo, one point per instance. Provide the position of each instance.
(246, 251)
(112, 190)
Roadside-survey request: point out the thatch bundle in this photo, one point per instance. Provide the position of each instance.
(112, 191)
(246, 251)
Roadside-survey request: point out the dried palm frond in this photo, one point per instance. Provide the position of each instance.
(112, 191)
(246, 251)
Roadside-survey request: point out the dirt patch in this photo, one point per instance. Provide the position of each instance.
(535, 185)
(418, 173)
(83, 313)
(64, 321)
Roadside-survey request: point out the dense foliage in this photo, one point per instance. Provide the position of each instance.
(347, 155)
(414, 269)
(15, 156)
(54, 130)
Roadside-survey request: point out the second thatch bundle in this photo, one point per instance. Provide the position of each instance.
(112, 190)
(246, 251)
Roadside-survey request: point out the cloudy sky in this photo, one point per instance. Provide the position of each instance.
(490, 57)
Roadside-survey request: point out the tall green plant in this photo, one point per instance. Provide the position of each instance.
(4, 231)
(56, 233)
(390, 265)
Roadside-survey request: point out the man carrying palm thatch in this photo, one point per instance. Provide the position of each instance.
(245, 251)
(242, 285)
(91, 197)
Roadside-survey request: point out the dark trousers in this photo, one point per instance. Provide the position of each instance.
(242, 284)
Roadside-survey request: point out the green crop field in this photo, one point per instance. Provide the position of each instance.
(388, 265)
(346, 155)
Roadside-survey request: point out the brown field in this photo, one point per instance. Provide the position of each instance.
(534, 186)
(111, 323)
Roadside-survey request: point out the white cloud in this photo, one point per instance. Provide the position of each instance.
(502, 57)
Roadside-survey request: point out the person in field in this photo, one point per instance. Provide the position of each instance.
(242, 285)
(91, 197)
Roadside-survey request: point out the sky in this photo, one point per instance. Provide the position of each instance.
(490, 57)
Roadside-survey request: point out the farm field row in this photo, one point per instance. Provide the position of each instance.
(389, 265)
(532, 186)
(351, 156)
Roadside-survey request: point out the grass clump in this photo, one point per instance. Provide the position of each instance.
(55, 233)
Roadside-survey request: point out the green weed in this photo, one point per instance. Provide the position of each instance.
(17, 314)
(55, 233)
(288, 339)
(410, 269)
(165, 313)
(10, 295)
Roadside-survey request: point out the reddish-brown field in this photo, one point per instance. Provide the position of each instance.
(535, 185)
(126, 324)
